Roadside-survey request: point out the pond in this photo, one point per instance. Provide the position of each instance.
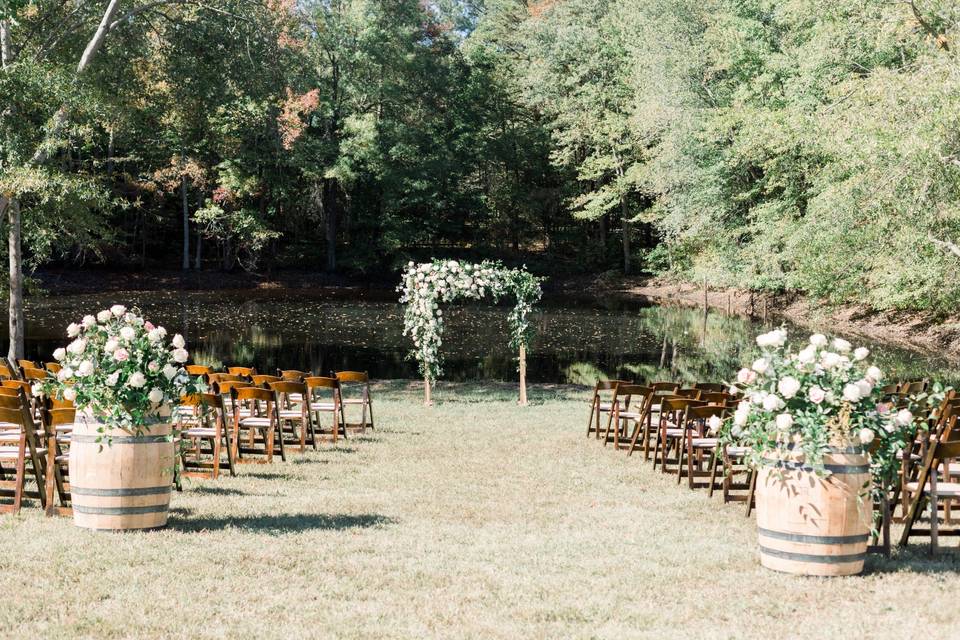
(577, 341)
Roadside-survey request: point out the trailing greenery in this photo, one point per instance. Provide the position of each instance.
(775, 145)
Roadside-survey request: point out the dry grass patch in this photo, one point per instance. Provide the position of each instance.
(470, 519)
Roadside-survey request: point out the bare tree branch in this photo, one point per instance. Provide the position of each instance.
(940, 38)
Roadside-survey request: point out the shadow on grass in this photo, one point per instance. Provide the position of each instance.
(915, 558)
(279, 524)
(205, 489)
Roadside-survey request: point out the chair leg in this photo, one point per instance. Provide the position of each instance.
(713, 473)
(51, 476)
(751, 491)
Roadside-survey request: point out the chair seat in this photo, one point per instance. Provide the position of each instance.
(736, 452)
(946, 489)
(255, 422)
(604, 406)
(200, 432)
(12, 453)
(704, 443)
(64, 428)
(290, 414)
(353, 401)
(673, 432)
(914, 457)
(322, 406)
(630, 415)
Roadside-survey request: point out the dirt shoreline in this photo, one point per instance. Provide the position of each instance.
(915, 330)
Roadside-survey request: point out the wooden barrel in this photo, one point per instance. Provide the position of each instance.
(811, 525)
(122, 485)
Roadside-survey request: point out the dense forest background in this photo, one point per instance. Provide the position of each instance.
(797, 145)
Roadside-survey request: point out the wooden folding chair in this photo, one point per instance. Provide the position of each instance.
(700, 444)
(205, 426)
(224, 389)
(53, 367)
(294, 414)
(245, 372)
(27, 389)
(6, 371)
(622, 414)
(927, 488)
(350, 380)
(214, 378)
(600, 404)
(199, 371)
(31, 374)
(260, 423)
(293, 375)
(26, 364)
(317, 388)
(672, 431)
(18, 447)
(260, 380)
(58, 419)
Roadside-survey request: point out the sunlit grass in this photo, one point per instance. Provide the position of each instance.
(471, 519)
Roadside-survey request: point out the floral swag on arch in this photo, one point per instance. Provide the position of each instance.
(428, 284)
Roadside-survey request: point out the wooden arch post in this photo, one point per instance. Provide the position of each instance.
(427, 402)
(523, 376)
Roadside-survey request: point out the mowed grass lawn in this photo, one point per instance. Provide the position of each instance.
(471, 519)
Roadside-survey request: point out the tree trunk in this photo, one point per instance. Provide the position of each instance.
(16, 282)
(6, 53)
(330, 215)
(626, 236)
(184, 192)
(198, 260)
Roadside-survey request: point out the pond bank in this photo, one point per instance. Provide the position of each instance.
(913, 330)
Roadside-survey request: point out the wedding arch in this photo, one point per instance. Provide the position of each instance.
(425, 286)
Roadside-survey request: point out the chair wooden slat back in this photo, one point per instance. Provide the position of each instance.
(293, 374)
(6, 373)
(30, 374)
(710, 386)
(716, 397)
(264, 380)
(246, 372)
(27, 364)
(630, 402)
(53, 367)
(693, 394)
(293, 409)
(664, 388)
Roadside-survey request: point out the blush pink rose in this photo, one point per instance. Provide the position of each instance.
(121, 355)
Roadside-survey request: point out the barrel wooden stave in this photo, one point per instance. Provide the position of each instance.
(811, 525)
(124, 485)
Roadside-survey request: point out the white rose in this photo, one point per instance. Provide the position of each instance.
(757, 397)
(112, 379)
(903, 418)
(760, 365)
(118, 310)
(788, 387)
(807, 355)
(816, 395)
(156, 395)
(818, 340)
(85, 368)
(784, 421)
(60, 353)
(77, 347)
(36, 390)
(88, 321)
(70, 394)
(772, 402)
(861, 353)
(128, 333)
(178, 341)
(111, 345)
(763, 340)
(170, 372)
(736, 430)
(739, 419)
(829, 360)
(104, 315)
(137, 380)
(743, 375)
(180, 355)
(65, 374)
(874, 375)
(714, 424)
(851, 393)
(155, 335)
(73, 330)
(163, 331)
(865, 387)
(841, 345)
(866, 436)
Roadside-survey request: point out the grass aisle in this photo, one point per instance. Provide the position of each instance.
(473, 519)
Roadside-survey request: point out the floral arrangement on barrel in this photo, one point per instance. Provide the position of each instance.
(121, 369)
(826, 394)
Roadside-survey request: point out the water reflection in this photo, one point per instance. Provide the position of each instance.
(577, 341)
